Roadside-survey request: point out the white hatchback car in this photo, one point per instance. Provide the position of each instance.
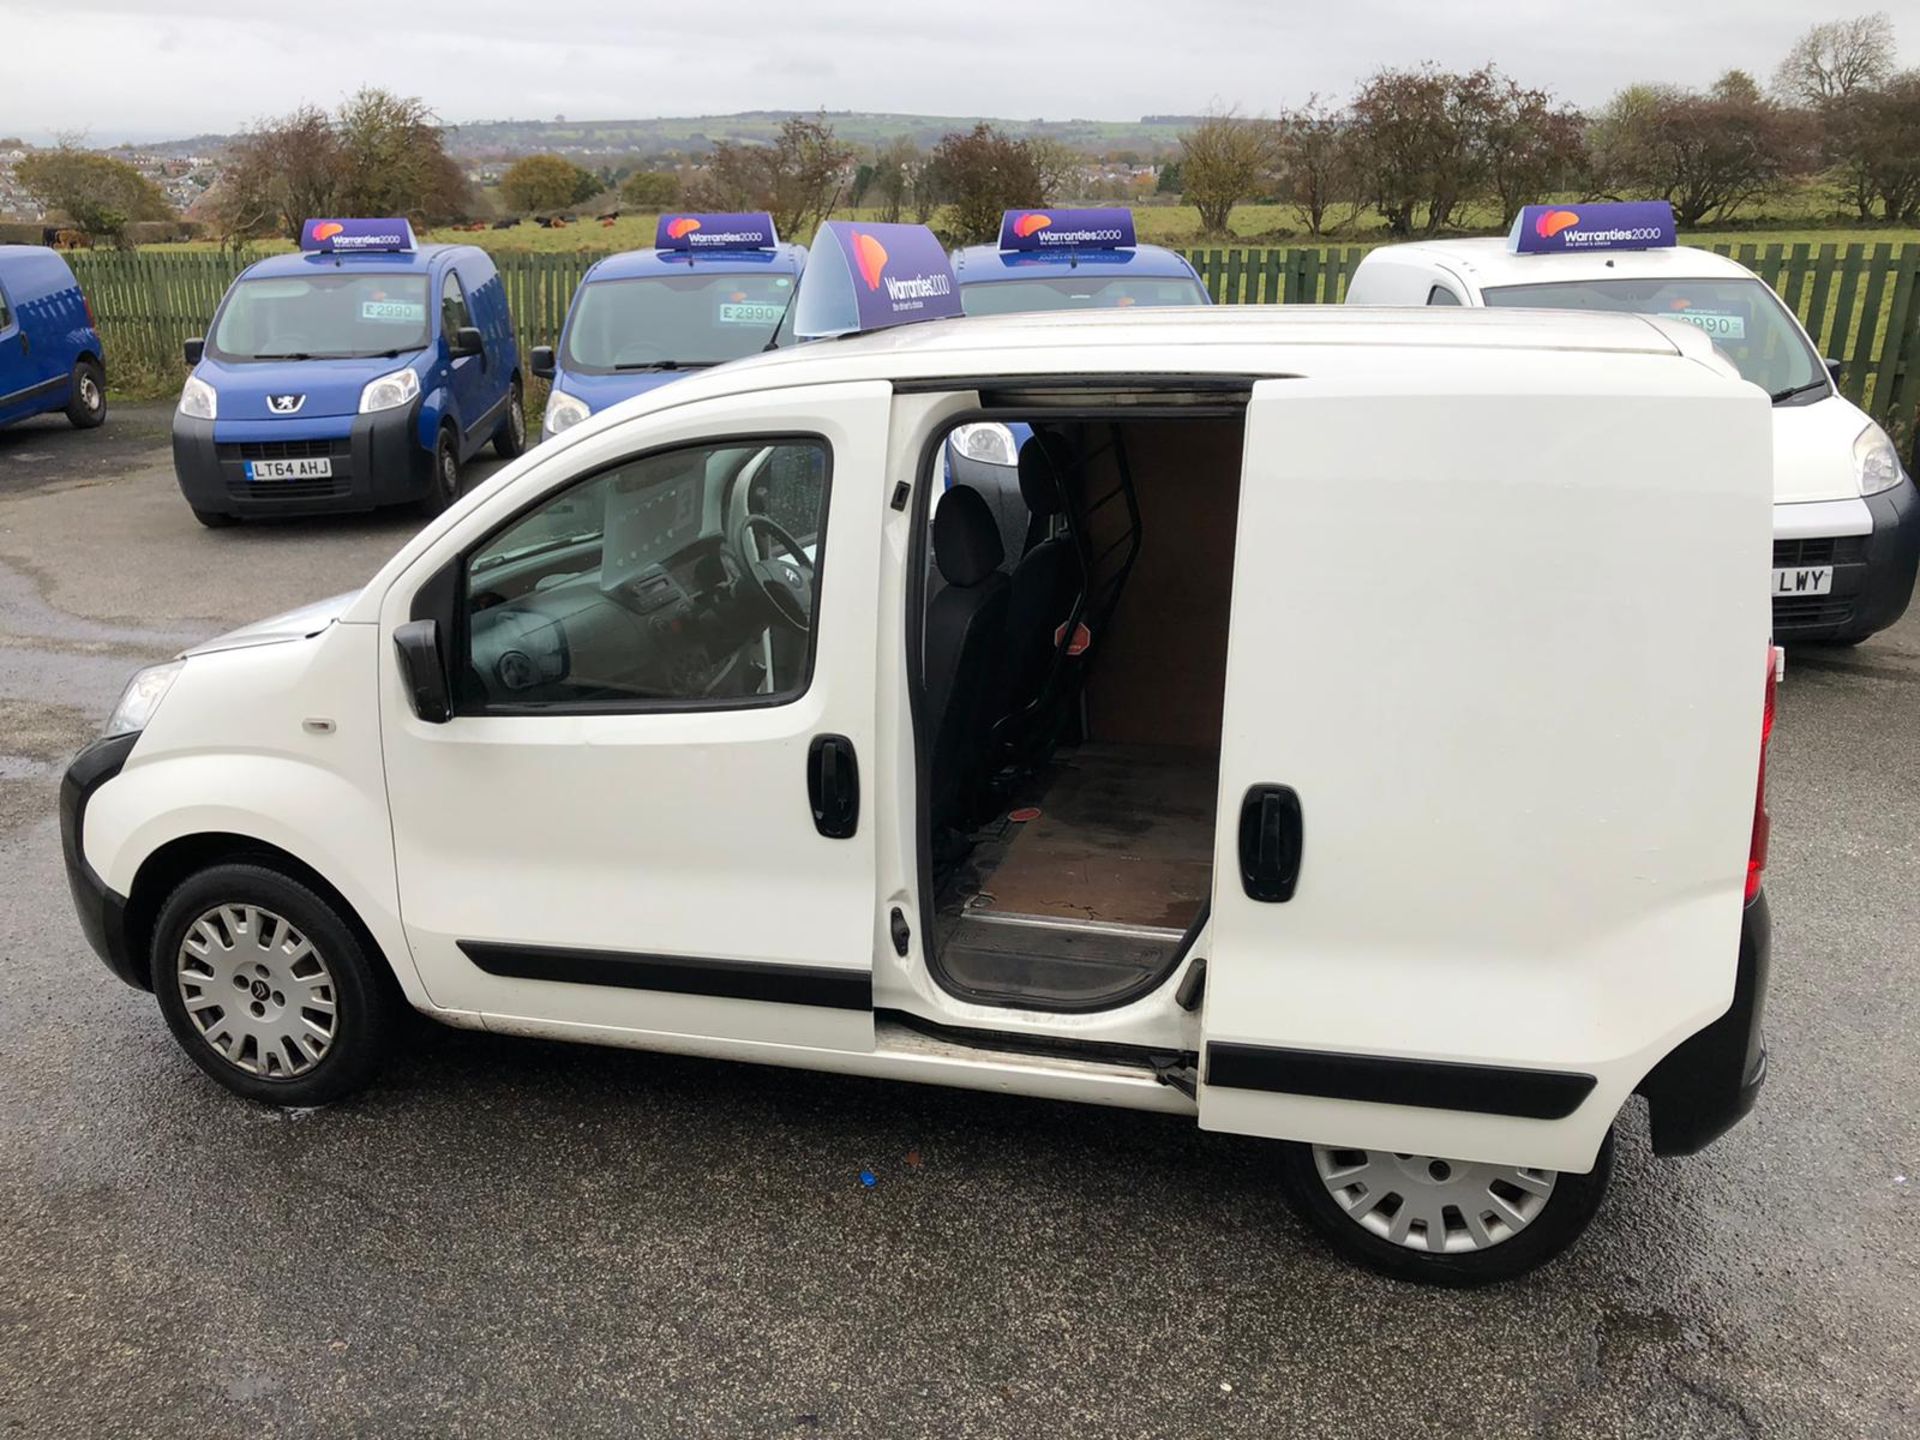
(1846, 520)
(693, 730)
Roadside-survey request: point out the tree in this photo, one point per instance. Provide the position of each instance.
(1873, 136)
(896, 165)
(1223, 161)
(1707, 155)
(546, 182)
(394, 159)
(797, 179)
(1533, 148)
(1314, 155)
(1836, 59)
(1059, 165)
(99, 194)
(977, 175)
(1424, 140)
(278, 174)
(1168, 181)
(651, 190)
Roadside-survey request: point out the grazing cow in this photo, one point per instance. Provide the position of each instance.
(505, 224)
(608, 218)
(72, 240)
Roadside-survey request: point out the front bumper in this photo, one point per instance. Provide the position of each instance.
(1707, 1084)
(103, 914)
(377, 460)
(1873, 572)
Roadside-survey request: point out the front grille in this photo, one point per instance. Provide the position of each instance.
(1809, 611)
(336, 449)
(1823, 550)
(326, 487)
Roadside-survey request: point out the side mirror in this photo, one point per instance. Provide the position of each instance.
(1833, 364)
(418, 642)
(543, 361)
(193, 350)
(467, 340)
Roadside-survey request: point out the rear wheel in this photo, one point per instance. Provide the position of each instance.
(511, 439)
(214, 519)
(444, 486)
(1442, 1222)
(268, 988)
(87, 395)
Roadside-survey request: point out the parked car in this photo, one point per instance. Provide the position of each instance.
(664, 739)
(51, 358)
(714, 288)
(362, 371)
(1846, 519)
(1053, 261)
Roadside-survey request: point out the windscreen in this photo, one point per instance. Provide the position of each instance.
(662, 322)
(1078, 291)
(322, 317)
(1745, 319)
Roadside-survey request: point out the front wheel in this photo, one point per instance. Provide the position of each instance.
(510, 440)
(268, 988)
(1442, 1222)
(87, 395)
(443, 487)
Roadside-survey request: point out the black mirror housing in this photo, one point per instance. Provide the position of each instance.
(1833, 364)
(468, 340)
(541, 359)
(193, 350)
(425, 671)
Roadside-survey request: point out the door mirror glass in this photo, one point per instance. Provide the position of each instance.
(193, 350)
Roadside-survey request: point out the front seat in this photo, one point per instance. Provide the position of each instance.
(966, 630)
(1046, 584)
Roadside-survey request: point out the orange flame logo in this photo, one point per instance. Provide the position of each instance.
(871, 256)
(327, 229)
(1554, 221)
(1028, 224)
(684, 226)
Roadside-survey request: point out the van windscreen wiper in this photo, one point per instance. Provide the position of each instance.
(1792, 391)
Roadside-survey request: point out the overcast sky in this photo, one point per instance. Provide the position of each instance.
(123, 70)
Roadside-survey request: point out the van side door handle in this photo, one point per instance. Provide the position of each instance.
(833, 786)
(1270, 840)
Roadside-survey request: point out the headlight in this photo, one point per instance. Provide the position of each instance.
(389, 392)
(198, 400)
(564, 411)
(987, 441)
(142, 697)
(1876, 460)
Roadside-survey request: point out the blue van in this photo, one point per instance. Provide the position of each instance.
(361, 371)
(714, 288)
(50, 354)
(1067, 259)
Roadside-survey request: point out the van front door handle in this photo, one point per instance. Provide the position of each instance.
(1270, 841)
(833, 786)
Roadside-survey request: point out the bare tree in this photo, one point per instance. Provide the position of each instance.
(1707, 155)
(977, 175)
(1422, 138)
(1534, 147)
(278, 174)
(1836, 59)
(1873, 138)
(1314, 154)
(1224, 160)
(1059, 166)
(797, 179)
(894, 166)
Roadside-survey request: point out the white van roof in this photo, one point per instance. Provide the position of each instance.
(1486, 263)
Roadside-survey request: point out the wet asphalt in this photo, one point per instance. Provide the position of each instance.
(515, 1238)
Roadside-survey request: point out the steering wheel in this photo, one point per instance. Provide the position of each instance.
(785, 584)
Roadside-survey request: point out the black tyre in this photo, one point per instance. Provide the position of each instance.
(1441, 1222)
(269, 989)
(443, 486)
(87, 395)
(214, 519)
(510, 440)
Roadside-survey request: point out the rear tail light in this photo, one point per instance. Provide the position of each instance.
(1762, 823)
(87, 305)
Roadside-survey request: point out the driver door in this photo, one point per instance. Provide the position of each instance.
(617, 830)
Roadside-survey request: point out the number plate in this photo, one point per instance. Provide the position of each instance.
(1803, 580)
(289, 469)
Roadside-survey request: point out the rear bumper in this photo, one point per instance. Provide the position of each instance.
(377, 460)
(103, 914)
(1873, 573)
(1708, 1084)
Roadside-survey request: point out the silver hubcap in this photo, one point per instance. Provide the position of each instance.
(89, 393)
(1444, 1207)
(257, 991)
(517, 417)
(449, 473)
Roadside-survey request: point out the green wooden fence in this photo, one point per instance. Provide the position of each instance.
(1860, 302)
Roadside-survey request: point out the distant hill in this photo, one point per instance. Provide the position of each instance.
(693, 133)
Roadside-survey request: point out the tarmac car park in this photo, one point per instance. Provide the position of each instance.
(1846, 520)
(714, 288)
(725, 770)
(364, 370)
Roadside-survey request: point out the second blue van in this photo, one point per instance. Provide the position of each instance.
(714, 288)
(51, 359)
(364, 370)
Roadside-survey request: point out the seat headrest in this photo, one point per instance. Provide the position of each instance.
(1045, 460)
(966, 541)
